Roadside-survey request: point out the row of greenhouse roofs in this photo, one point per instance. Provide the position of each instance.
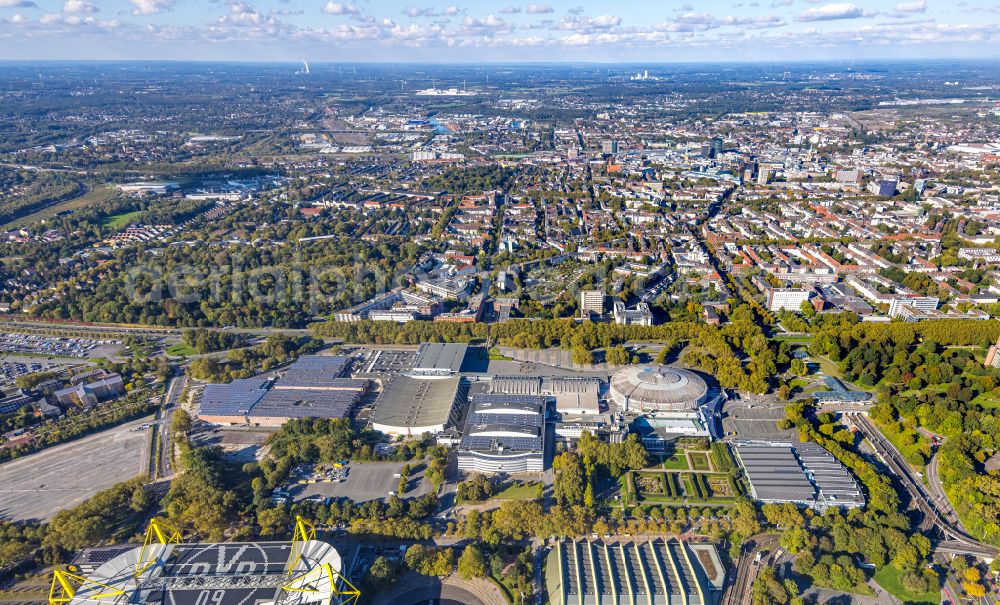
(657, 572)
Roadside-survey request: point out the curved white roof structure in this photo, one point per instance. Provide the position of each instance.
(655, 388)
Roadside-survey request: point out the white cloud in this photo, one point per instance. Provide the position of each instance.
(151, 7)
(832, 12)
(605, 21)
(510, 10)
(586, 25)
(911, 7)
(416, 11)
(413, 11)
(341, 8)
(78, 6)
(539, 9)
(245, 15)
(487, 22)
(17, 4)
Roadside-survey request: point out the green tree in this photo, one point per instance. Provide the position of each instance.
(617, 356)
(471, 564)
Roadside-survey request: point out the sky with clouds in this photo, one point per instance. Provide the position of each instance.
(478, 30)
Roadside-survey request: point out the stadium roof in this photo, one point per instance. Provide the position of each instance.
(236, 573)
(658, 387)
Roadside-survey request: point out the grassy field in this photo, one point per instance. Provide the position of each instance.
(120, 221)
(795, 339)
(988, 400)
(889, 578)
(827, 367)
(678, 462)
(699, 461)
(181, 348)
(520, 491)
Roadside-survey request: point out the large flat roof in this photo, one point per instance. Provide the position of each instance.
(416, 402)
(661, 572)
(305, 403)
(233, 399)
(804, 473)
(314, 371)
(439, 356)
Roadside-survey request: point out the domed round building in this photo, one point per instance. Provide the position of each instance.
(655, 388)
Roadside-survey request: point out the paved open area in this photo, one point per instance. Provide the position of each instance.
(38, 486)
(741, 421)
(365, 481)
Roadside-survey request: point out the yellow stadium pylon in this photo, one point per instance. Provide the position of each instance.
(66, 584)
(158, 532)
(304, 531)
(309, 582)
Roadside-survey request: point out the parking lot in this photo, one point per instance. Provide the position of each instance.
(33, 344)
(757, 422)
(364, 481)
(12, 368)
(382, 362)
(38, 486)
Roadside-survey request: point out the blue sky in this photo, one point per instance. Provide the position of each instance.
(380, 30)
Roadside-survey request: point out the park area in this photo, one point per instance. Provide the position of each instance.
(685, 476)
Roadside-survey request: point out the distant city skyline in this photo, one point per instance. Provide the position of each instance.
(401, 30)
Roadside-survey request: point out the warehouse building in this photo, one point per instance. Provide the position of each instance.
(577, 402)
(504, 434)
(230, 403)
(658, 572)
(314, 386)
(413, 406)
(280, 405)
(801, 473)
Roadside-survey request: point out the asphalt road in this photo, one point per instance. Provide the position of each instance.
(37, 486)
(171, 401)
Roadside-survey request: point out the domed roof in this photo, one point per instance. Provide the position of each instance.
(660, 386)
